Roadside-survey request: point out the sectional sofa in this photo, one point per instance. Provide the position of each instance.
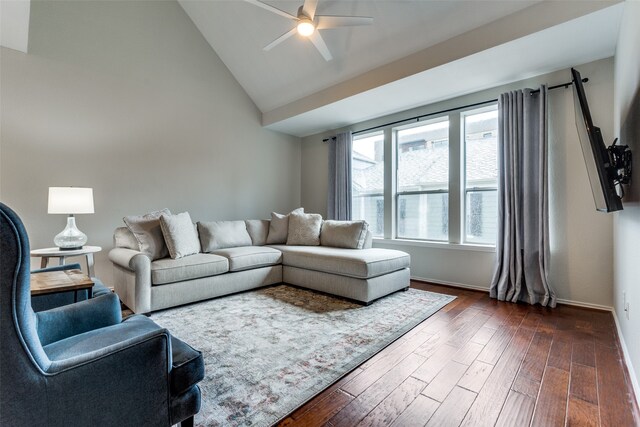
(249, 262)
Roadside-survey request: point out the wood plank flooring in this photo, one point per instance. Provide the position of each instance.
(480, 362)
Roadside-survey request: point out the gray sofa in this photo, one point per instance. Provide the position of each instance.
(363, 275)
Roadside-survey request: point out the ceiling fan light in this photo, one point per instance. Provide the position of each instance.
(305, 27)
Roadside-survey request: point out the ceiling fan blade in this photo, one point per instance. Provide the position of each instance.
(326, 22)
(309, 8)
(319, 43)
(272, 9)
(280, 39)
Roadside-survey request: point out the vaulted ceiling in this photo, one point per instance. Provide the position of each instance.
(416, 52)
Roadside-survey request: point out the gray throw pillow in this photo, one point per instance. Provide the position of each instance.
(304, 229)
(258, 230)
(147, 231)
(124, 238)
(180, 235)
(223, 234)
(279, 227)
(344, 234)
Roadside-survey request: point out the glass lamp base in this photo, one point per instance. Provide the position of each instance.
(70, 238)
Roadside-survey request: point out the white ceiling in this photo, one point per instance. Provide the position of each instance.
(14, 24)
(238, 31)
(417, 52)
(575, 42)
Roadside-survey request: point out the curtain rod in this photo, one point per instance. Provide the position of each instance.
(448, 110)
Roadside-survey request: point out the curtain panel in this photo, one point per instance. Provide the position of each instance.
(522, 250)
(339, 190)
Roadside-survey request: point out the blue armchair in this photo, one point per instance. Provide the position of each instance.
(80, 364)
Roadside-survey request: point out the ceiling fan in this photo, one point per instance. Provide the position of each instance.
(307, 24)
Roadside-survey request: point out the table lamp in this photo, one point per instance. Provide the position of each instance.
(70, 201)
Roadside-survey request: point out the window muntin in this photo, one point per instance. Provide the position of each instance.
(481, 176)
(423, 181)
(367, 169)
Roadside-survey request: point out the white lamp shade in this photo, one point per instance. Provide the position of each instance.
(70, 200)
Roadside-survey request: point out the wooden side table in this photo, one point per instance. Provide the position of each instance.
(52, 282)
(47, 253)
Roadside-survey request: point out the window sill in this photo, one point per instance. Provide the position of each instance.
(436, 245)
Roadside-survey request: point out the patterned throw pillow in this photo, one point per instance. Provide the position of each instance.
(279, 227)
(304, 229)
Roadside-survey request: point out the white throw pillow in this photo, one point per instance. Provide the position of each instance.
(223, 234)
(180, 235)
(344, 234)
(147, 231)
(279, 227)
(304, 229)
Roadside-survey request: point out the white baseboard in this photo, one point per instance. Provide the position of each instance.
(454, 284)
(482, 288)
(627, 359)
(584, 304)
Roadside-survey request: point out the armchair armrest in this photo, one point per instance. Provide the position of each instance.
(105, 342)
(73, 319)
(64, 267)
(127, 365)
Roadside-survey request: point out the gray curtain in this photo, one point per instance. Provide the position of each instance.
(522, 250)
(339, 193)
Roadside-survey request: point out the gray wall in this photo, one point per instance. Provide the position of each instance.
(128, 98)
(627, 222)
(581, 238)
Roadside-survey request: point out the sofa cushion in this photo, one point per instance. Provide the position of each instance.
(360, 263)
(279, 227)
(304, 229)
(249, 257)
(223, 234)
(180, 235)
(187, 367)
(344, 234)
(147, 231)
(169, 270)
(258, 230)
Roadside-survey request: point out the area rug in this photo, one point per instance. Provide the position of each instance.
(269, 351)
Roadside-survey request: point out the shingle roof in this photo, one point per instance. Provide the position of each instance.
(429, 168)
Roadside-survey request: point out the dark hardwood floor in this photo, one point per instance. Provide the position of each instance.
(479, 362)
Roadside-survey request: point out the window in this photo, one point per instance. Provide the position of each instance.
(423, 181)
(481, 176)
(367, 168)
(449, 161)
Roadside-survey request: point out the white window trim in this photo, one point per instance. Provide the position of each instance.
(436, 244)
(456, 183)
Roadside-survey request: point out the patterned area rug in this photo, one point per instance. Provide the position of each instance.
(268, 351)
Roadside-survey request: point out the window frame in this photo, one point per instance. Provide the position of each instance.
(463, 172)
(457, 190)
(396, 193)
(371, 134)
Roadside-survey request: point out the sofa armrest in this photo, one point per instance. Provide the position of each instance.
(132, 275)
(130, 259)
